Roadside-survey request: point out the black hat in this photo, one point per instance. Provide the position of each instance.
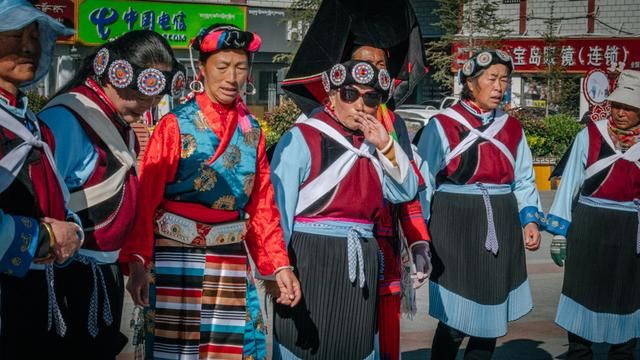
(359, 73)
(484, 60)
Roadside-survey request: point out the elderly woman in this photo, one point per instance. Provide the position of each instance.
(96, 151)
(331, 174)
(35, 227)
(204, 172)
(479, 167)
(598, 235)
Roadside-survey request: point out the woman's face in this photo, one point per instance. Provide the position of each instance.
(624, 116)
(349, 100)
(225, 74)
(488, 89)
(19, 56)
(132, 104)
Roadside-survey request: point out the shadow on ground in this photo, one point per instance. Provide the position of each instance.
(519, 349)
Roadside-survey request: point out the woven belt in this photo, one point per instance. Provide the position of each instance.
(191, 232)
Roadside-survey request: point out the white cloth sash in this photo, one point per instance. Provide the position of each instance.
(338, 170)
(488, 134)
(631, 155)
(12, 162)
(107, 132)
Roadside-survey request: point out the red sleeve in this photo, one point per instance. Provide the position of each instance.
(264, 234)
(159, 166)
(412, 221)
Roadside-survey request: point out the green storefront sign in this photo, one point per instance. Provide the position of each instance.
(102, 20)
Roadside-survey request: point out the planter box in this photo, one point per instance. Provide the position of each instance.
(542, 168)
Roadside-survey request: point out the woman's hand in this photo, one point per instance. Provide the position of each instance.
(373, 130)
(67, 241)
(286, 289)
(532, 236)
(138, 283)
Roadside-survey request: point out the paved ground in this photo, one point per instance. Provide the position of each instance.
(534, 337)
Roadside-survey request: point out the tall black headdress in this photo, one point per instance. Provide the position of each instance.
(342, 25)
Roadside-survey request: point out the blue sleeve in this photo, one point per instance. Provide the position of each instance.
(432, 148)
(396, 191)
(18, 244)
(559, 217)
(524, 186)
(290, 167)
(75, 154)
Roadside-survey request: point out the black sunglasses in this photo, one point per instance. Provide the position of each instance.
(350, 94)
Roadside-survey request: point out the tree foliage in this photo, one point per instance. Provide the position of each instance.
(563, 93)
(473, 24)
(552, 135)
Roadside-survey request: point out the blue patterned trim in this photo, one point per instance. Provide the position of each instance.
(597, 327)
(474, 189)
(557, 225)
(592, 201)
(531, 214)
(473, 319)
(20, 253)
(333, 228)
(255, 338)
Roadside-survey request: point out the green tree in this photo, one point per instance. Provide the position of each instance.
(563, 93)
(473, 24)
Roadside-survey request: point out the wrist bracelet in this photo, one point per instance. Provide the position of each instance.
(52, 243)
(283, 268)
(387, 147)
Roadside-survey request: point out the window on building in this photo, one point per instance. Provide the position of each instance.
(264, 79)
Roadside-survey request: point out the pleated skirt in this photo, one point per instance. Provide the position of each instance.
(198, 302)
(336, 319)
(471, 289)
(600, 298)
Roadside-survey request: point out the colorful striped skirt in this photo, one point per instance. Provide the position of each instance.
(198, 302)
(600, 298)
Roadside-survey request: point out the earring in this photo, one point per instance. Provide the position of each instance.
(248, 86)
(196, 86)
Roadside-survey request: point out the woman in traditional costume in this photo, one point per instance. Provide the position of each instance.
(479, 166)
(96, 152)
(401, 232)
(331, 173)
(203, 173)
(36, 227)
(598, 234)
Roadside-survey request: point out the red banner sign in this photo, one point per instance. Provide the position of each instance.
(575, 55)
(63, 11)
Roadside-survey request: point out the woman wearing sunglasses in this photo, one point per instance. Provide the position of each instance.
(477, 160)
(96, 151)
(331, 173)
(204, 173)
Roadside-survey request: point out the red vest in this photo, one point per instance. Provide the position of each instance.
(107, 224)
(35, 192)
(359, 195)
(483, 161)
(618, 182)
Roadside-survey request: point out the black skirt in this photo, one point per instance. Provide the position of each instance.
(600, 298)
(471, 289)
(336, 319)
